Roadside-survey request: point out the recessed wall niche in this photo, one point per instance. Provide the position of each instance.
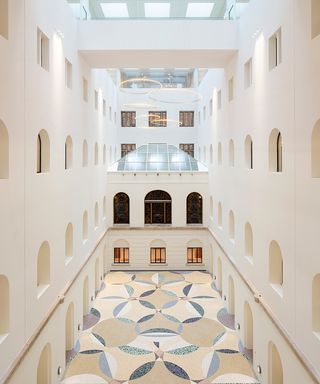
(4, 151)
(315, 18)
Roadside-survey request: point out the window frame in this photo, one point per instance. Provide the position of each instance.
(163, 255)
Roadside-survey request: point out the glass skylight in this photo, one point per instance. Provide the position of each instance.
(157, 9)
(157, 158)
(115, 9)
(199, 9)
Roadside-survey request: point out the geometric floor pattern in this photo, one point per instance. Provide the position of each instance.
(159, 327)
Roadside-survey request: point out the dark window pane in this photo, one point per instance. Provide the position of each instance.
(128, 119)
(121, 208)
(194, 208)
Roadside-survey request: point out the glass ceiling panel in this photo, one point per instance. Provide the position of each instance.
(157, 158)
(155, 9)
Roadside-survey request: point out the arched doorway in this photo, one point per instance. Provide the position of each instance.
(157, 208)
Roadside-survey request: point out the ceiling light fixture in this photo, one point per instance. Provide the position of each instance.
(148, 83)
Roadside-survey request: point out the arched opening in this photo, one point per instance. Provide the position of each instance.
(68, 153)
(43, 152)
(158, 252)
(219, 154)
(43, 268)
(157, 208)
(315, 150)
(69, 331)
(211, 154)
(96, 215)
(219, 275)
(275, 151)
(248, 327)
(96, 154)
(231, 296)
(4, 151)
(5, 306)
(275, 265)
(194, 252)
(44, 366)
(231, 225)
(104, 208)
(85, 153)
(96, 276)
(104, 154)
(121, 208)
(85, 297)
(69, 242)
(194, 208)
(219, 215)
(275, 365)
(248, 240)
(231, 153)
(85, 226)
(316, 304)
(248, 147)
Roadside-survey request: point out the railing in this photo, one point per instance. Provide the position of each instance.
(313, 373)
(60, 299)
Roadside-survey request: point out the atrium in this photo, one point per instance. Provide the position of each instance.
(159, 166)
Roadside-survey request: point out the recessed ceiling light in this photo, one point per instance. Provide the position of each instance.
(157, 9)
(199, 9)
(115, 9)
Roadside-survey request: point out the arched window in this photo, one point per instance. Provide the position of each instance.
(85, 153)
(275, 265)
(69, 331)
(43, 268)
(96, 215)
(275, 365)
(231, 225)
(220, 215)
(4, 151)
(248, 147)
(248, 240)
(96, 276)
(315, 150)
(211, 206)
(85, 226)
(219, 275)
(85, 297)
(104, 208)
(231, 296)
(194, 208)
(69, 242)
(315, 303)
(248, 327)
(275, 151)
(121, 208)
(211, 154)
(157, 208)
(96, 154)
(4, 305)
(44, 366)
(104, 154)
(219, 154)
(231, 153)
(68, 149)
(43, 152)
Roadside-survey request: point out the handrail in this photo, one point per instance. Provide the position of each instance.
(60, 299)
(314, 374)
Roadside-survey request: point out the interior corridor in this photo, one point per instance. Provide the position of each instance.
(159, 327)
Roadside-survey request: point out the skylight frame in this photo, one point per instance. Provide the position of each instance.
(199, 10)
(115, 10)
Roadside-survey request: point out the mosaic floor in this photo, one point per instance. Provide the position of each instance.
(159, 327)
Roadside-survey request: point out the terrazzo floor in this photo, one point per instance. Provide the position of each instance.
(159, 328)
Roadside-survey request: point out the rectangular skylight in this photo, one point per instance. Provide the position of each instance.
(115, 9)
(199, 9)
(157, 9)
